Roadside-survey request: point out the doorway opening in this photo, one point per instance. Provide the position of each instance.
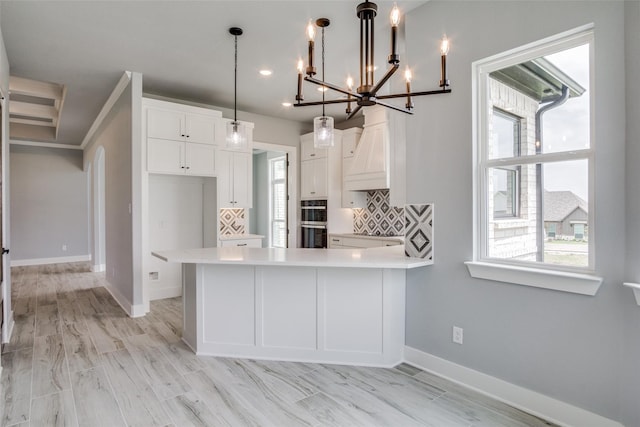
(274, 213)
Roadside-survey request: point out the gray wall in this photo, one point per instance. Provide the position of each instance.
(563, 345)
(48, 203)
(114, 135)
(259, 214)
(630, 373)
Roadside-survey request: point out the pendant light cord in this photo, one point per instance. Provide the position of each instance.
(323, 86)
(235, 83)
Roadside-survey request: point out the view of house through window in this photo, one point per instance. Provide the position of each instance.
(278, 202)
(535, 158)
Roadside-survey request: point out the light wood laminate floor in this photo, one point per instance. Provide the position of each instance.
(75, 358)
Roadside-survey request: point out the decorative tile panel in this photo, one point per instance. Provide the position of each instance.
(379, 217)
(418, 239)
(232, 221)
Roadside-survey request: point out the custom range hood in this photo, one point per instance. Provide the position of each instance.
(379, 158)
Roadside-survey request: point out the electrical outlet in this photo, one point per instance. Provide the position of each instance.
(457, 335)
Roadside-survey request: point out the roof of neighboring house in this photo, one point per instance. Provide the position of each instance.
(560, 204)
(538, 79)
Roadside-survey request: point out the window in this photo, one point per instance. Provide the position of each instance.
(278, 202)
(533, 156)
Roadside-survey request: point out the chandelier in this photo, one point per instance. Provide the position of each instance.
(367, 93)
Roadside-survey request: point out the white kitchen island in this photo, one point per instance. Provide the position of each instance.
(314, 305)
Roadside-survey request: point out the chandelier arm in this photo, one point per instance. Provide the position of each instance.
(393, 107)
(354, 112)
(386, 77)
(404, 95)
(329, 101)
(332, 87)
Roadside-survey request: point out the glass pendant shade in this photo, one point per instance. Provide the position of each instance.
(323, 132)
(236, 136)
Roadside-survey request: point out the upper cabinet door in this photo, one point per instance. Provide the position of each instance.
(200, 159)
(200, 129)
(164, 124)
(308, 151)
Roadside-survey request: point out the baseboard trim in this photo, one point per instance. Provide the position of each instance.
(162, 293)
(527, 400)
(45, 261)
(98, 268)
(132, 310)
(6, 337)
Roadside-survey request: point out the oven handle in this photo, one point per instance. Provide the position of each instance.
(323, 227)
(314, 207)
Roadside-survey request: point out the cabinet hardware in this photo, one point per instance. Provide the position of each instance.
(241, 244)
(182, 135)
(312, 155)
(335, 240)
(313, 192)
(181, 167)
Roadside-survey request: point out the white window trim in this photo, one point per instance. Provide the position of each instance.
(272, 181)
(574, 280)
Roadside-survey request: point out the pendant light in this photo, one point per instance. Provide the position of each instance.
(323, 125)
(236, 131)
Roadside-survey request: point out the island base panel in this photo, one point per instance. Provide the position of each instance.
(324, 315)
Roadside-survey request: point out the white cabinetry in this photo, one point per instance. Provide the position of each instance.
(350, 139)
(350, 242)
(180, 139)
(253, 241)
(313, 170)
(234, 179)
(179, 125)
(379, 160)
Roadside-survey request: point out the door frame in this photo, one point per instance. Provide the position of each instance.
(292, 186)
(7, 315)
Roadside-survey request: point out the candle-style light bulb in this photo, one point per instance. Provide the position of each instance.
(311, 31)
(444, 50)
(407, 78)
(300, 71)
(444, 46)
(395, 16)
(311, 34)
(350, 83)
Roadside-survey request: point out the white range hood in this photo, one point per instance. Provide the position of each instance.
(379, 158)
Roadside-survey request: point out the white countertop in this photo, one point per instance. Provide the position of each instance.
(386, 257)
(240, 236)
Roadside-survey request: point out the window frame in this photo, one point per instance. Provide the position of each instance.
(517, 122)
(272, 183)
(516, 271)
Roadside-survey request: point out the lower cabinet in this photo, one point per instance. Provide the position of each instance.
(180, 158)
(250, 243)
(342, 242)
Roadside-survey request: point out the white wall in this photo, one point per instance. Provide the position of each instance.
(563, 345)
(48, 204)
(630, 368)
(114, 135)
(176, 221)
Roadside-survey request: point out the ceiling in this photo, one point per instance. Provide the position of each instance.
(183, 50)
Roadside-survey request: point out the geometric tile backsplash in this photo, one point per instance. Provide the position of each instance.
(232, 221)
(418, 239)
(379, 217)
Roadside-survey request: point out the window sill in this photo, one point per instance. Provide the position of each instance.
(636, 290)
(576, 283)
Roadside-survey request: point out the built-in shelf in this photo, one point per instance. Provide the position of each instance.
(636, 290)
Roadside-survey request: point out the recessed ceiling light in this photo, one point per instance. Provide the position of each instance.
(286, 104)
(266, 72)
